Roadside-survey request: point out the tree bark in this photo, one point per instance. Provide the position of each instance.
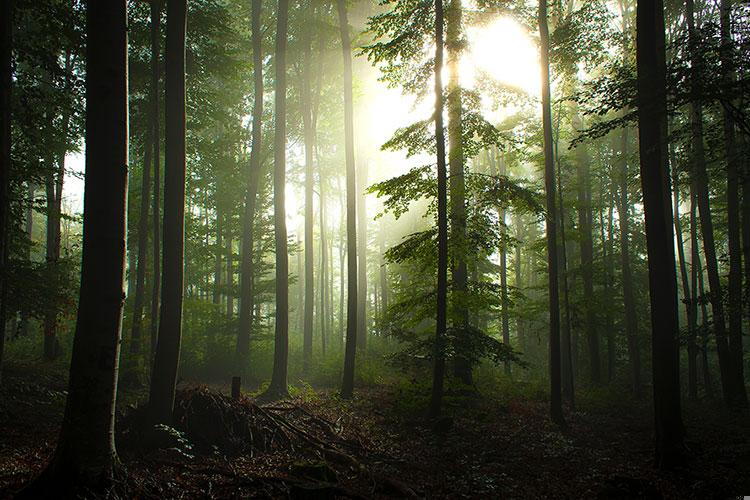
(278, 387)
(309, 138)
(156, 144)
(362, 313)
(735, 354)
(587, 259)
(166, 360)
(6, 86)
(85, 456)
(347, 386)
(246, 305)
(652, 135)
(551, 219)
(700, 179)
(438, 362)
(453, 18)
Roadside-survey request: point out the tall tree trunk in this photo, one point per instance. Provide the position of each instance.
(309, 138)
(567, 345)
(278, 387)
(347, 386)
(230, 271)
(693, 303)
(85, 456)
(700, 179)
(140, 282)
(609, 272)
(383, 273)
(218, 267)
(735, 354)
(683, 275)
(708, 386)
(453, 18)
(549, 183)
(517, 261)
(362, 313)
(322, 313)
(587, 257)
(166, 360)
(652, 136)
(54, 187)
(438, 362)
(6, 86)
(246, 305)
(156, 138)
(631, 318)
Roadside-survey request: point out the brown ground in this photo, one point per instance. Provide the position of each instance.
(376, 447)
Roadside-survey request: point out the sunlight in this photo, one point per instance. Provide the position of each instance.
(506, 52)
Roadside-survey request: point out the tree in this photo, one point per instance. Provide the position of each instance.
(438, 362)
(347, 385)
(156, 156)
(166, 360)
(150, 150)
(462, 366)
(738, 396)
(549, 184)
(85, 456)
(251, 192)
(652, 135)
(6, 85)
(278, 387)
(309, 137)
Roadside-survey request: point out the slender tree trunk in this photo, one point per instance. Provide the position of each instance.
(587, 258)
(230, 271)
(700, 178)
(166, 360)
(85, 456)
(566, 345)
(309, 137)
(218, 267)
(693, 302)
(684, 277)
(278, 387)
(609, 273)
(140, 282)
(735, 354)
(631, 318)
(708, 386)
(156, 138)
(322, 313)
(6, 86)
(362, 313)
(520, 334)
(246, 305)
(383, 274)
(453, 18)
(438, 367)
(549, 183)
(347, 386)
(54, 189)
(652, 135)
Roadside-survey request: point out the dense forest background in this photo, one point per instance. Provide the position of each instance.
(419, 206)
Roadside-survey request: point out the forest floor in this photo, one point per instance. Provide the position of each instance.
(376, 446)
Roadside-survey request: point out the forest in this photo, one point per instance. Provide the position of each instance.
(374, 249)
